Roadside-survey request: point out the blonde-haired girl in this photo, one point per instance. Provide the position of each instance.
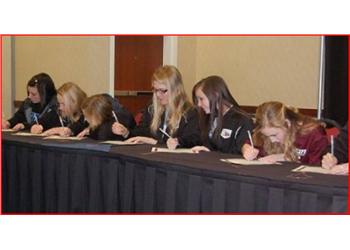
(171, 118)
(69, 119)
(283, 134)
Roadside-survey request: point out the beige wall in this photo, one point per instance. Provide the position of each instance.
(83, 60)
(257, 69)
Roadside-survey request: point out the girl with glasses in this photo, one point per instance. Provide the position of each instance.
(170, 119)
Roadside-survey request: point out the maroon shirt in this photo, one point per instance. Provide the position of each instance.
(310, 147)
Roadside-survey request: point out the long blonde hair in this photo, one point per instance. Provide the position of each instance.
(178, 102)
(73, 97)
(278, 115)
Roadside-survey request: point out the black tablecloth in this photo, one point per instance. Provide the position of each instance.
(86, 176)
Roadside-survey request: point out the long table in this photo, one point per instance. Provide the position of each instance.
(54, 176)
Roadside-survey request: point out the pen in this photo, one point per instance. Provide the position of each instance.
(332, 144)
(61, 121)
(115, 116)
(250, 138)
(164, 132)
(36, 119)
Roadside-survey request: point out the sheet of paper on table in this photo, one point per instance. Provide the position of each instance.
(177, 151)
(8, 130)
(246, 162)
(57, 137)
(27, 134)
(120, 143)
(312, 169)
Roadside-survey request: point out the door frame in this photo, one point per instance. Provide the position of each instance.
(170, 48)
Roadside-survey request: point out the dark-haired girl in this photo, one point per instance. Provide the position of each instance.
(41, 100)
(224, 126)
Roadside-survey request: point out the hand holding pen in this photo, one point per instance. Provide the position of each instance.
(118, 128)
(248, 151)
(329, 160)
(36, 128)
(172, 143)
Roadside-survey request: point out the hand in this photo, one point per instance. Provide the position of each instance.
(18, 126)
(52, 131)
(340, 169)
(272, 158)
(65, 132)
(5, 124)
(172, 143)
(329, 161)
(36, 129)
(84, 133)
(142, 139)
(61, 131)
(249, 153)
(198, 149)
(119, 129)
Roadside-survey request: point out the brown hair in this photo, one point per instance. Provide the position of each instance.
(276, 114)
(219, 97)
(97, 109)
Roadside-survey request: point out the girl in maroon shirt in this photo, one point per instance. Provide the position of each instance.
(283, 134)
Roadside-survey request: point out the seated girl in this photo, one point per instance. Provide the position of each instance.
(69, 119)
(41, 100)
(283, 134)
(98, 112)
(170, 119)
(338, 161)
(224, 126)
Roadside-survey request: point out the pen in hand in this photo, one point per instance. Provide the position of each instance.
(164, 132)
(250, 138)
(36, 119)
(115, 116)
(61, 121)
(332, 144)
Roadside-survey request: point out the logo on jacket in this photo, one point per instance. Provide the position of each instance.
(226, 133)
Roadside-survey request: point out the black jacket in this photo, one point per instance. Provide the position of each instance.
(26, 111)
(232, 135)
(52, 120)
(187, 133)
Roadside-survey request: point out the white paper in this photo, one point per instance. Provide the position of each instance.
(178, 150)
(246, 162)
(28, 134)
(8, 130)
(120, 143)
(312, 169)
(57, 137)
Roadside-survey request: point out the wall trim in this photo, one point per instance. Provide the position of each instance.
(111, 64)
(170, 50)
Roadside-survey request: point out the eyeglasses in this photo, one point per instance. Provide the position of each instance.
(161, 91)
